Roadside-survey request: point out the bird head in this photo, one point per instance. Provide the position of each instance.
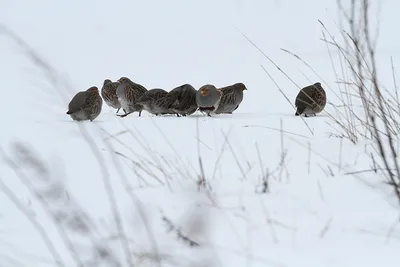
(106, 81)
(123, 79)
(93, 89)
(241, 86)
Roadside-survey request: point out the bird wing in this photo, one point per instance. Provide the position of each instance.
(108, 91)
(151, 95)
(140, 88)
(305, 96)
(186, 99)
(173, 98)
(228, 99)
(145, 97)
(77, 102)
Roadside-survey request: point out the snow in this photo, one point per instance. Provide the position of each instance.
(315, 212)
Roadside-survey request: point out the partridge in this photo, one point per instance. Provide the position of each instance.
(150, 99)
(109, 94)
(183, 100)
(208, 98)
(231, 98)
(310, 100)
(85, 105)
(128, 93)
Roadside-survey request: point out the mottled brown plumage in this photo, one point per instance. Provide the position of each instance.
(150, 99)
(163, 104)
(85, 105)
(231, 98)
(208, 98)
(128, 93)
(109, 94)
(310, 100)
(183, 100)
(180, 101)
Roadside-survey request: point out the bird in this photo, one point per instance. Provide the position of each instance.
(182, 100)
(85, 105)
(208, 98)
(231, 98)
(149, 100)
(108, 92)
(128, 93)
(311, 100)
(163, 104)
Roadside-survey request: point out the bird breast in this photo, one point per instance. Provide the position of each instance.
(208, 100)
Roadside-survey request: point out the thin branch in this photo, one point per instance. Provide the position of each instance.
(39, 228)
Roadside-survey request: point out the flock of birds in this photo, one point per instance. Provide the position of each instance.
(183, 100)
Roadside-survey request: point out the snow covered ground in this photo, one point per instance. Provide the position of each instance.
(320, 209)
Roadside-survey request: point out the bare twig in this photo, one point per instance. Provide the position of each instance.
(111, 196)
(39, 228)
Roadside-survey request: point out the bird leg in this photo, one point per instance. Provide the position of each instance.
(118, 110)
(140, 113)
(124, 115)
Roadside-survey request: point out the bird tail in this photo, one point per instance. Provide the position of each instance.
(300, 110)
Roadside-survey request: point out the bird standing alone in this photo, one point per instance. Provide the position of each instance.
(85, 105)
(311, 100)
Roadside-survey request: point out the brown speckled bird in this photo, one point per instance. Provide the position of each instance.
(109, 94)
(208, 98)
(182, 100)
(310, 100)
(231, 98)
(150, 99)
(85, 105)
(128, 93)
(163, 104)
